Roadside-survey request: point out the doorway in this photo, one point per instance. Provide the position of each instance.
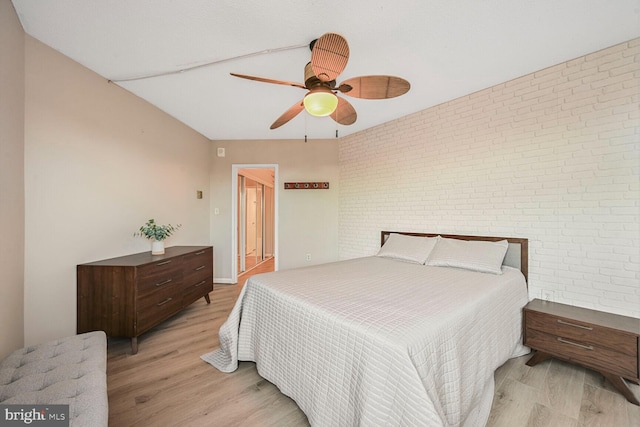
(255, 217)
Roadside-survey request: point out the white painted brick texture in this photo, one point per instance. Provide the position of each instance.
(553, 156)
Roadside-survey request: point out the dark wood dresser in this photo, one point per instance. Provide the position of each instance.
(605, 342)
(127, 296)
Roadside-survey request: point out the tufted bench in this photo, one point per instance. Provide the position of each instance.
(69, 371)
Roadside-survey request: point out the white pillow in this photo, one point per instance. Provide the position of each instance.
(476, 255)
(413, 249)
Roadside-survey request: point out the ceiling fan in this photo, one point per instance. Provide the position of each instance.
(329, 56)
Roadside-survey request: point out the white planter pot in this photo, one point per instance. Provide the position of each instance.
(157, 247)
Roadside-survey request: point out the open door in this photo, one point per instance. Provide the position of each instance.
(256, 217)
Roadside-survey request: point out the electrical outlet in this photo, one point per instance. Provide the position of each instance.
(547, 295)
(307, 257)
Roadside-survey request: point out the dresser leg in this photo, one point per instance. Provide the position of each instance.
(538, 357)
(622, 387)
(134, 345)
(206, 297)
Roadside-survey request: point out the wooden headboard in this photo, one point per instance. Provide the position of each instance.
(517, 254)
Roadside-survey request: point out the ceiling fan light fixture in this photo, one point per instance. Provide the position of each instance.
(329, 56)
(321, 102)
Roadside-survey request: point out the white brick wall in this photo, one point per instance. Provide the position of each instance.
(552, 156)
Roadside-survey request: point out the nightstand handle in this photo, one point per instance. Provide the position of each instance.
(588, 347)
(573, 324)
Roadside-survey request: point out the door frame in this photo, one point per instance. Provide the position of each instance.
(234, 213)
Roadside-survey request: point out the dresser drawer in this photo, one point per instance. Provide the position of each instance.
(198, 277)
(585, 353)
(196, 274)
(196, 260)
(197, 290)
(156, 275)
(159, 295)
(584, 332)
(155, 307)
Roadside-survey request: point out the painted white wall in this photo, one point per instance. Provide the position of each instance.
(11, 180)
(99, 163)
(553, 156)
(308, 219)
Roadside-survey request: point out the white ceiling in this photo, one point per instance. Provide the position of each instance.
(445, 48)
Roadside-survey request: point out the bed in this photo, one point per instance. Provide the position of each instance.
(408, 337)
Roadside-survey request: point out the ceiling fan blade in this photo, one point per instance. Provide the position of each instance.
(262, 79)
(375, 87)
(329, 56)
(288, 115)
(344, 114)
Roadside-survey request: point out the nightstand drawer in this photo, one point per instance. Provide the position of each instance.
(585, 353)
(583, 332)
(599, 340)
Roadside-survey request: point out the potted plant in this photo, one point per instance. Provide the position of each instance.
(156, 233)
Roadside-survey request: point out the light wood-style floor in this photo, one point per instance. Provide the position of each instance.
(167, 384)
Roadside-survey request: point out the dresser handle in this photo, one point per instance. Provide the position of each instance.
(199, 268)
(200, 284)
(574, 325)
(588, 347)
(199, 253)
(163, 282)
(164, 263)
(164, 302)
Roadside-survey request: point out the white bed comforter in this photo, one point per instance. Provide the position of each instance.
(378, 342)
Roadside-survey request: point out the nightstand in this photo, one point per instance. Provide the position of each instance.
(605, 342)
